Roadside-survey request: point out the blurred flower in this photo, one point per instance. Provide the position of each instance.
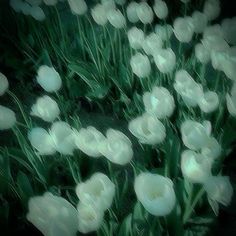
(120, 2)
(211, 9)
(97, 191)
(165, 60)
(229, 30)
(37, 13)
(116, 147)
(41, 140)
(145, 13)
(159, 102)
(156, 193)
(160, 8)
(26, 8)
(108, 4)
(99, 14)
(89, 218)
(195, 167)
(78, 7)
(228, 63)
(116, 18)
(136, 37)
(202, 54)
(152, 44)
(7, 118)
(131, 12)
(16, 5)
(199, 21)
(53, 215)
(50, 2)
(49, 79)
(63, 137)
(209, 102)
(34, 2)
(212, 149)
(88, 140)
(194, 134)
(140, 65)
(45, 108)
(231, 101)
(3, 84)
(164, 31)
(148, 129)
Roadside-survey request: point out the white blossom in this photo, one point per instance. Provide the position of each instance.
(209, 102)
(135, 37)
(229, 30)
(199, 21)
(212, 149)
(160, 8)
(37, 13)
(152, 44)
(145, 13)
(78, 7)
(164, 31)
(99, 14)
(7, 118)
(3, 84)
(116, 18)
(211, 9)
(131, 12)
(202, 53)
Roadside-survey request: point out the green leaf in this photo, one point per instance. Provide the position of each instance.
(126, 226)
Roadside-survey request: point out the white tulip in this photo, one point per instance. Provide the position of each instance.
(152, 44)
(209, 102)
(183, 29)
(159, 102)
(194, 134)
(231, 104)
(164, 31)
(45, 108)
(99, 14)
(160, 8)
(229, 30)
(148, 129)
(229, 63)
(53, 215)
(199, 21)
(202, 54)
(140, 65)
(37, 13)
(50, 2)
(116, 18)
(98, 191)
(213, 30)
(41, 140)
(215, 43)
(89, 217)
(63, 137)
(88, 140)
(145, 13)
(7, 118)
(120, 2)
(78, 7)
(135, 37)
(195, 167)
(131, 12)
(49, 79)
(156, 193)
(16, 5)
(165, 60)
(117, 147)
(212, 149)
(26, 8)
(3, 84)
(108, 4)
(211, 9)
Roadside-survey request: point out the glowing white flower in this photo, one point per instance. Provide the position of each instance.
(215, 43)
(108, 4)
(212, 149)
(229, 30)
(3, 84)
(229, 63)
(89, 218)
(45, 108)
(135, 37)
(152, 44)
(99, 14)
(160, 8)
(209, 102)
(37, 13)
(120, 2)
(26, 8)
(7, 118)
(50, 2)
(78, 7)
(145, 13)
(165, 60)
(117, 147)
(98, 191)
(211, 9)
(148, 129)
(195, 167)
(88, 140)
(159, 102)
(53, 215)
(116, 18)
(49, 79)
(194, 134)
(140, 65)
(164, 31)
(202, 54)
(63, 137)
(199, 21)
(131, 12)
(156, 193)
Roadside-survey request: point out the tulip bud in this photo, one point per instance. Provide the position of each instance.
(97, 191)
(3, 84)
(159, 102)
(99, 14)
(50, 2)
(37, 13)
(165, 60)
(164, 32)
(229, 30)
(202, 53)
(211, 9)
(117, 147)
(49, 79)
(199, 21)
(231, 104)
(209, 102)
(7, 118)
(156, 193)
(212, 149)
(145, 13)
(160, 8)
(152, 44)
(136, 37)
(88, 140)
(140, 65)
(78, 7)
(116, 18)
(46, 109)
(131, 12)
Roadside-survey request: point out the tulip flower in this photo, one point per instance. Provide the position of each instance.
(99, 14)
(231, 103)
(131, 12)
(116, 18)
(164, 31)
(45, 108)
(148, 129)
(49, 79)
(229, 30)
(135, 37)
(199, 21)
(97, 191)
(212, 149)
(155, 192)
(53, 215)
(108, 4)
(16, 5)
(50, 2)
(3, 84)
(120, 2)
(145, 13)
(88, 140)
(228, 63)
(41, 140)
(7, 118)
(211, 9)
(209, 102)
(202, 54)
(78, 7)
(159, 102)
(152, 44)
(195, 167)
(160, 8)
(140, 65)
(117, 147)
